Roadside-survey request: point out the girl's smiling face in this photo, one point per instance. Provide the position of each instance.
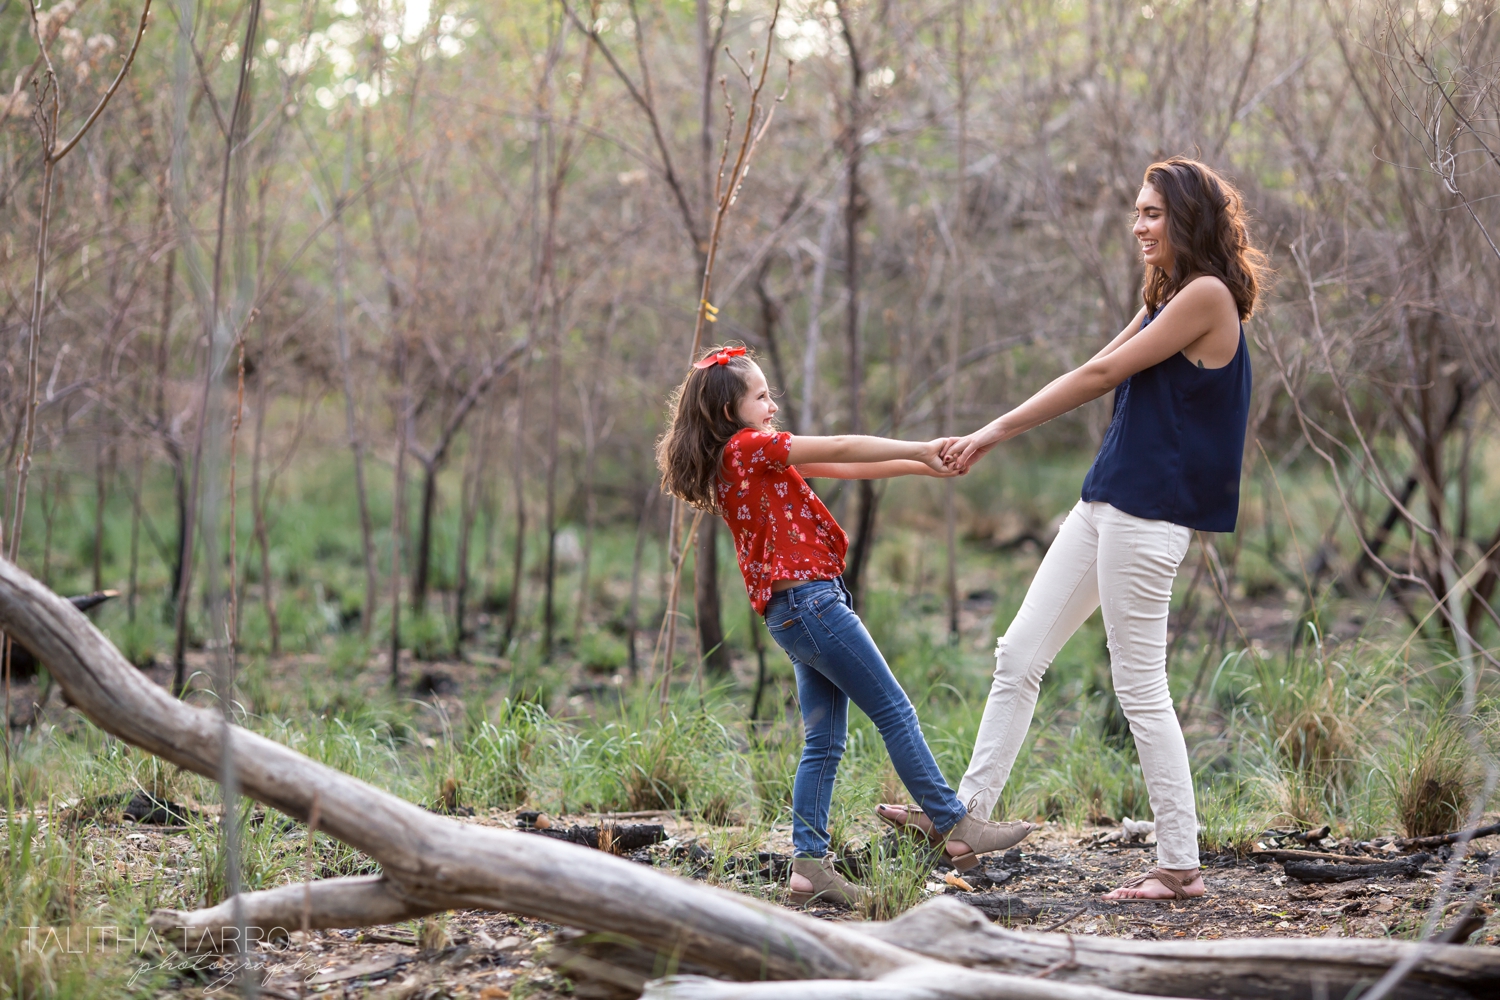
(756, 408)
(1151, 228)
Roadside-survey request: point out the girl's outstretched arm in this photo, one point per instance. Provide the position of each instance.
(860, 449)
(872, 470)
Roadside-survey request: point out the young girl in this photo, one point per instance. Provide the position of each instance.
(723, 454)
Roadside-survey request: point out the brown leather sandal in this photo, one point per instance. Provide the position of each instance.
(1169, 879)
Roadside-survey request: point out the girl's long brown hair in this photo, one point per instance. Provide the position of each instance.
(703, 421)
(1209, 234)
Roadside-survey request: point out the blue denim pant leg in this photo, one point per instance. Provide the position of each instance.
(837, 661)
(825, 725)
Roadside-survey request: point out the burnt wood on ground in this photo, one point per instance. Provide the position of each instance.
(1317, 871)
(432, 863)
(139, 807)
(616, 838)
(1341, 859)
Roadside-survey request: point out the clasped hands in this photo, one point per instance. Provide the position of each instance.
(954, 456)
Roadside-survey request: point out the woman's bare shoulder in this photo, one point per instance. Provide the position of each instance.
(1205, 290)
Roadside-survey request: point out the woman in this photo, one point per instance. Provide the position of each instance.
(1169, 465)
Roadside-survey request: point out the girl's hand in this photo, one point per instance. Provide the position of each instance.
(932, 457)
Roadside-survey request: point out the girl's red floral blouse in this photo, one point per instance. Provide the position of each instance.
(781, 529)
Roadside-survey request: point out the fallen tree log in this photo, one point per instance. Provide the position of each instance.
(431, 863)
(1245, 969)
(357, 901)
(901, 984)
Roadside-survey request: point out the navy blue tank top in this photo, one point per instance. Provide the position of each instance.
(1176, 442)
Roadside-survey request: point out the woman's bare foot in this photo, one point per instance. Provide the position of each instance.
(800, 883)
(1153, 886)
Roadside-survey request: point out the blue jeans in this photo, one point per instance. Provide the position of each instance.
(836, 660)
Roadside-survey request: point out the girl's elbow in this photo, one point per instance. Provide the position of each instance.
(840, 446)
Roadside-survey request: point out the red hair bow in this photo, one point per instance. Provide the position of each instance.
(720, 357)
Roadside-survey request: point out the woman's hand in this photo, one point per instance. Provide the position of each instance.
(961, 453)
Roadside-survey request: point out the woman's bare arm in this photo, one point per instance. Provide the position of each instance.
(1191, 314)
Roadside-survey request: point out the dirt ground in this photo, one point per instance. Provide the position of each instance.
(1053, 882)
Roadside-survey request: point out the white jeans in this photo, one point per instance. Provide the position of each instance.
(1102, 556)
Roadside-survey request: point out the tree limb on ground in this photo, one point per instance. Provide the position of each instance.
(432, 863)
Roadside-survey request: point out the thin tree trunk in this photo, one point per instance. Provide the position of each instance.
(590, 509)
(955, 328)
(761, 675)
(468, 508)
(168, 434)
(49, 511)
(854, 211)
(356, 448)
(33, 347)
(633, 624)
(101, 495)
(258, 512)
(706, 609)
(214, 323)
(553, 416)
(706, 587)
(422, 569)
(518, 470)
(815, 321)
(398, 509)
(132, 588)
(234, 527)
(770, 319)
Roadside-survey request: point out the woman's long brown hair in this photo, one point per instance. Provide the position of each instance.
(1209, 234)
(703, 421)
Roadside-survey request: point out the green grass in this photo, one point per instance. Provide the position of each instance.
(1353, 726)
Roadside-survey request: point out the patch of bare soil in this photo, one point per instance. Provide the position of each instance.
(1059, 873)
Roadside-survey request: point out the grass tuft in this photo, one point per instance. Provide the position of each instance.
(1434, 779)
(894, 876)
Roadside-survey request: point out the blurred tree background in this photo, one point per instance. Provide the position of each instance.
(370, 310)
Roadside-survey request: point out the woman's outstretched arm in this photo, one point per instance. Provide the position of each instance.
(1188, 317)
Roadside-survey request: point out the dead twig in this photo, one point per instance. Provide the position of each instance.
(1064, 922)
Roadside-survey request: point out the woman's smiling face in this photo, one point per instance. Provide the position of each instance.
(1151, 228)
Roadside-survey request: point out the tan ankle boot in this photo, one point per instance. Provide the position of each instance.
(828, 886)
